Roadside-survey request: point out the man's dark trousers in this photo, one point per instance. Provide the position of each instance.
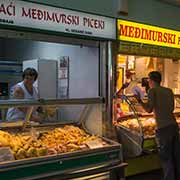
(169, 151)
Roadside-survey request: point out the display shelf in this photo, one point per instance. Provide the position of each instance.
(101, 157)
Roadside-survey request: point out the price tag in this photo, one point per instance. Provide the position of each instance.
(34, 134)
(94, 144)
(6, 154)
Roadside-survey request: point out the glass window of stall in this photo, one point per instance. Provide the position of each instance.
(67, 68)
(134, 75)
(136, 68)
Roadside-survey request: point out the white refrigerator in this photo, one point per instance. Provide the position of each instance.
(47, 81)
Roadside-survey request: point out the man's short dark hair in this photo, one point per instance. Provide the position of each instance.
(30, 72)
(155, 76)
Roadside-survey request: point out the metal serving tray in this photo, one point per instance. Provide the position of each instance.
(63, 164)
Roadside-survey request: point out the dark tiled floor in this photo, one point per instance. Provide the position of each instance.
(154, 175)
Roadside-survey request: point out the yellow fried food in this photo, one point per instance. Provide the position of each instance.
(42, 151)
(31, 152)
(58, 140)
(21, 154)
(26, 146)
(4, 141)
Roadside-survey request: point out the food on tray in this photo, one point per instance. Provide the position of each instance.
(31, 152)
(52, 142)
(20, 154)
(148, 125)
(42, 151)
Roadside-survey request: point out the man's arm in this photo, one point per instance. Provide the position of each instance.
(149, 105)
(172, 97)
(19, 94)
(124, 86)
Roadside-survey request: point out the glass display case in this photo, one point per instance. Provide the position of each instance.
(136, 128)
(53, 138)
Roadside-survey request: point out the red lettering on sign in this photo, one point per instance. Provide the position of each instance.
(26, 14)
(160, 36)
(146, 34)
(9, 9)
(93, 23)
(178, 40)
(174, 39)
(165, 39)
(137, 32)
(123, 30)
(131, 31)
(2, 9)
(34, 14)
(171, 38)
(50, 17)
(38, 14)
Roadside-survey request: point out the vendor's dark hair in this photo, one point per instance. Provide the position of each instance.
(30, 72)
(155, 76)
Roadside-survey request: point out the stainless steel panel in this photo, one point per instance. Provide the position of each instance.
(52, 102)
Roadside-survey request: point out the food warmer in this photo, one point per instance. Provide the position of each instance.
(136, 128)
(66, 143)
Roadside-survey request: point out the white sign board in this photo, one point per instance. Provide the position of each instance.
(37, 16)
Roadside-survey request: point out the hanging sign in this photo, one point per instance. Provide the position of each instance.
(37, 16)
(146, 34)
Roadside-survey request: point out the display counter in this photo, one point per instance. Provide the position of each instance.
(136, 128)
(57, 145)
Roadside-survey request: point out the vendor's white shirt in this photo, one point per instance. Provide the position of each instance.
(15, 113)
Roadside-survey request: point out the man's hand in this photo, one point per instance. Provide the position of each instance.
(35, 118)
(138, 97)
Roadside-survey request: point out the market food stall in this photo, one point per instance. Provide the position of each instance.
(136, 128)
(138, 53)
(70, 51)
(48, 149)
